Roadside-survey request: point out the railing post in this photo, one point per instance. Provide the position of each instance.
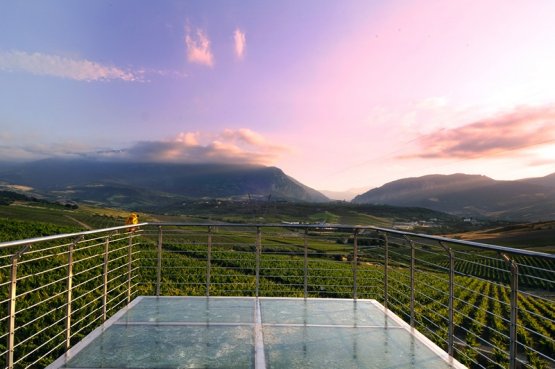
(11, 311)
(105, 279)
(412, 280)
(11, 307)
(129, 267)
(305, 272)
(208, 260)
(355, 262)
(386, 266)
(513, 339)
(69, 285)
(258, 251)
(451, 326)
(159, 262)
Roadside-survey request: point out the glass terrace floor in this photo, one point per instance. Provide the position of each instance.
(246, 332)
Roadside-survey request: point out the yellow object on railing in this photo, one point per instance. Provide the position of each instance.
(133, 218)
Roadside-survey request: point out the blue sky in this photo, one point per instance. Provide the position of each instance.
(339, 94)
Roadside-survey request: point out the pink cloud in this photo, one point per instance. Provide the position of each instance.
(245, 135)
(240, 43)
(188, 138)
(198, 48)
(242, 146)
(505, 133)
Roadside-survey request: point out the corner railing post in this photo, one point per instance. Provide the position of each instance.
(451, 322)
(105, 279)
(513, 339)
(69, 289)
(412, 280)
(159, 262)
(208, 260)
(355, 262)
(11, 307)
(305, 271)
(258, 251)
(386, 266)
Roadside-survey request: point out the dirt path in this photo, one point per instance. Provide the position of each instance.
(86, 226)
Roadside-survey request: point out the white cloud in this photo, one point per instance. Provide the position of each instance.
(230, 146)
(233, 146)
(27, 148)
(240, 43)
(198, 48)
(59, 66)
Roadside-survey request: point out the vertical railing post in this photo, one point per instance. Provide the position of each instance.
(11, 307)
(355, 262)
(451, 322)
(159, 262)
(208, 260)
(105, 279)
(513, 339)
(412, 279)
(129, 267)
(258, 251)
(69, 289)
(305, 271)
(386, 266)
(11, 311)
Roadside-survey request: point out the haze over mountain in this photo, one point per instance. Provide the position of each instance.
(346, 195)
(125, 184)
(530, 199)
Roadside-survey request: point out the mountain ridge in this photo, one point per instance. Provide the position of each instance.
(529, 199)
(128, 183)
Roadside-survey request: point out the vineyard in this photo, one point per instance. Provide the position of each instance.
(412, 276)
(481, 306)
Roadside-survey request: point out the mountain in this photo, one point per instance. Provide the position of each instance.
(470, 195)
(547, 181)
(128, 185)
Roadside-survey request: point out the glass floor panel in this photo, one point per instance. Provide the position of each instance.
(200, 309)
(143, 346)
(324, 347)
(246, 332)
(323, 312)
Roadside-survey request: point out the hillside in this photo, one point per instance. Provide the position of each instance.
(147, 185)
(471, 195)
(36, 212)
(532, 236)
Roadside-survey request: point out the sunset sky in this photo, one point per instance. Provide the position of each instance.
(339, 94)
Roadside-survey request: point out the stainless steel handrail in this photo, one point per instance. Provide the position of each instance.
(67, 235)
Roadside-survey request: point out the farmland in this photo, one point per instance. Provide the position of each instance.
(481, 304)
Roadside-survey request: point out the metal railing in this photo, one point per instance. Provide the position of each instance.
(488, 306)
